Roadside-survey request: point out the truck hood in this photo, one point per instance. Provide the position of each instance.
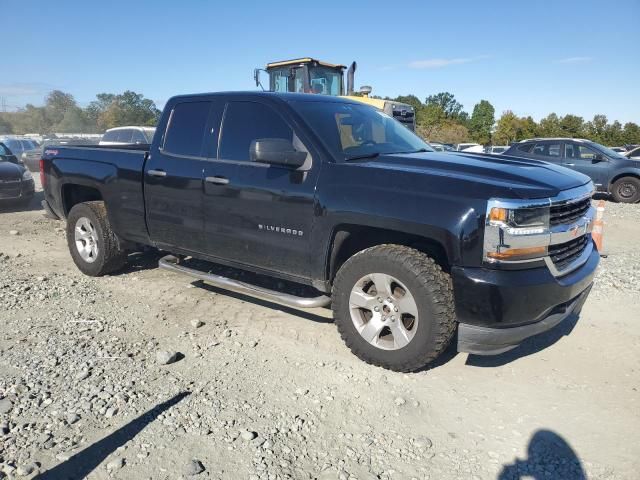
(10, 171)
(511, 177)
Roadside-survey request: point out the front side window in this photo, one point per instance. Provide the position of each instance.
(352, 130)
(525, 147)
(573, 151)
(547, 149)
(186, 129)
(3, 151)
(245, 122)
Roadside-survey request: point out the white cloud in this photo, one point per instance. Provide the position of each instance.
(444, 62)
(574, 60)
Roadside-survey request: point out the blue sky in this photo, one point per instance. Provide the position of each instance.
(579, 57)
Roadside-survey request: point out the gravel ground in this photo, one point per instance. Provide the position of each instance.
(148, 375)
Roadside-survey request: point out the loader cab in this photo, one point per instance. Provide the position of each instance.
(306, 75)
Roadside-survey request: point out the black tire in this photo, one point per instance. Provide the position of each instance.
(110, 257)
(430, 287)
(626, 190)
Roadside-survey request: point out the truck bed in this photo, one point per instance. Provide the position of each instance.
(114, 172)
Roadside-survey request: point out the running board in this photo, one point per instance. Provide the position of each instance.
(172, 263)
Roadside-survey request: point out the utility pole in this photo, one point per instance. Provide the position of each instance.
(3, 104)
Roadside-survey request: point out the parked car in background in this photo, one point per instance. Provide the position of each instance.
(463, 146)
(497, 149)
(16, 182)
(442, 147)
(128, 136)
(634, 154)
(621, 150)
(7, 155)
(611, 172)
(473, 148)
(21, 147)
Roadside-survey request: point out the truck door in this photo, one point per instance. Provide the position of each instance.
(269, 211)
(583, 159)
(174, 177)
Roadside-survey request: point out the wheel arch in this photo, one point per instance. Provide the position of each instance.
(73, 193)
(349, 239)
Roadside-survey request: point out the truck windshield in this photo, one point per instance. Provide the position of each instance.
(350, 130)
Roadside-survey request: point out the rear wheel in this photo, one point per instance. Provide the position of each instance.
(393, 306)
(94, 247)
(626, 190)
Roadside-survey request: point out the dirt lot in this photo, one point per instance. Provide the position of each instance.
(262, 391)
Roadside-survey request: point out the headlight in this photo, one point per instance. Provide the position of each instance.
(515, 234)
(26, 175)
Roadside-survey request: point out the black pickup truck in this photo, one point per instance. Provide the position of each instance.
(408, 246)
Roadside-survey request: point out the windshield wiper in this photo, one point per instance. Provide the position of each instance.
(412, 151)
(363, 156)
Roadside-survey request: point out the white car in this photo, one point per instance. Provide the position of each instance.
(128, 136)
(497, 149)
(465, 146)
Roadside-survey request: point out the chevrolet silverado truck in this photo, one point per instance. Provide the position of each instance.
(408, 246)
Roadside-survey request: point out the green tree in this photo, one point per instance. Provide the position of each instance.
(572, 126)
(56, 105)
(613, 135)
(528, 128)
(549, 126)
(631, 133)
(128, 108)
(5, 126)
(508, 129)
(410, 100)
(447, 103)
(481, 122)
(75, 121)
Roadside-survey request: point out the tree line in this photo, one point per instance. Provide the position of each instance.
(442, 118)
(439, 118)
(62, 114)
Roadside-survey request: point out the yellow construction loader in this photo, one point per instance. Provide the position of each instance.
(308, 75)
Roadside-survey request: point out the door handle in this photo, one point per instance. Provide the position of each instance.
(157, 173)
(217, 180)
(569, 164)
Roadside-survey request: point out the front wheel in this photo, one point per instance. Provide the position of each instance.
(94, 247)
(626, 190)
(393, 306)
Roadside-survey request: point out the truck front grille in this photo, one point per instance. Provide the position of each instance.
(563, 254)
(566, 214)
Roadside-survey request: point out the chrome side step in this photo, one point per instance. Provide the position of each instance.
(171, 263)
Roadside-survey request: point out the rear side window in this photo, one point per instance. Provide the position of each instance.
(547, 149)
(138, 137)
(110, 136)
(248, 121)
(186, 128)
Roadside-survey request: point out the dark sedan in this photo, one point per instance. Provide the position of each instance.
(16, 182)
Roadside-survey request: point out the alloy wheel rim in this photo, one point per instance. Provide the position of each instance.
(383, 311)
(86, 240)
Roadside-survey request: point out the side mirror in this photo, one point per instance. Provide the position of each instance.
(599, 158)
(256, 76)
(276, 151)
